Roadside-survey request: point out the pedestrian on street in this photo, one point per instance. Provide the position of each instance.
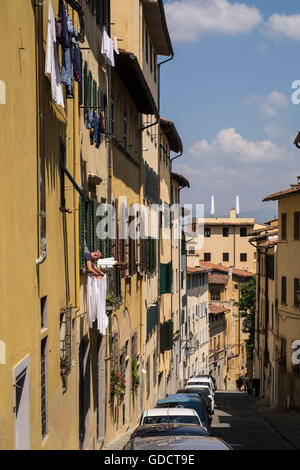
(246, 382)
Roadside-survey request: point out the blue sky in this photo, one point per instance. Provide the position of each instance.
(228, 91)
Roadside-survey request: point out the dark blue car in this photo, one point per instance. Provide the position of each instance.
(182, 401)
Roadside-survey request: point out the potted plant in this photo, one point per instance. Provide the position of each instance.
(64, 365)
(135, 376)
(117, 385)
(113, 302)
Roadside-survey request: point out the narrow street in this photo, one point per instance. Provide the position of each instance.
(236, 421)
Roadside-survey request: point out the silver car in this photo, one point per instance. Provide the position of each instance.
(184, 443)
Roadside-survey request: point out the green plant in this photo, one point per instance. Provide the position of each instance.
(247, 306)
(114, 301)
(64, 362)
(117, 385)
(135, 376)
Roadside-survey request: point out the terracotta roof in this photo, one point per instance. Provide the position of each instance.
(172, 135)
(281, 194)
(191, 270)
(268, 222)
(181, 180)
(248, 223)
(220, 267)
(218, 279)
(216, 309)
(258, 231)
(268, 244)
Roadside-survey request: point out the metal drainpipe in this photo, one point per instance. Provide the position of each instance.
(109, 182)
(42, 195)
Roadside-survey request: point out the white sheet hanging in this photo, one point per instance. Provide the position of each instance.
(96, 303)
(107, 48)
(51, 63)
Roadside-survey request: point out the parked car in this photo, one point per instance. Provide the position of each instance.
(202, 381)
(204, 389)
(207, 376)
(203, 393)
(178, 401)
(170, 415)
(168, 429)
(184, 443)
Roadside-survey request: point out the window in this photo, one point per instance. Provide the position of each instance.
(226, 257)
(283, 290)
(243, 231)
(147, 49)
(215, 294)
(166, 278)
(283, 226)
(125, 127)
(207, 257)
(225, 232)
(243, 257)
(296, 288)
(44, 313)
(44, 386)
(207, 232)
(151, 57)
(296, 225)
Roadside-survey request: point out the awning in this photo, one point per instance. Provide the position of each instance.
(130, 72)
(181, 180)
(172, 135)
(155, 17)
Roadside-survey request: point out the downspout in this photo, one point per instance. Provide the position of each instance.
(76, 197)
(174, 158)
(41, 151)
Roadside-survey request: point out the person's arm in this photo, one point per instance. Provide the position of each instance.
(92, 269)
(98, 270)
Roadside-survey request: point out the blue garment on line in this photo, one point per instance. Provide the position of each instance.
(96, 134)
(89, 119)
(67, 57)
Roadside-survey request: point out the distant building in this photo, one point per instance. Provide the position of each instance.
(225, 241)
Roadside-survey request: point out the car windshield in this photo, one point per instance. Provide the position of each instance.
(194, 405)
(171, 419)
(207, 384)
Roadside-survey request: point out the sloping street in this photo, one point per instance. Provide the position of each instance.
(238, 423)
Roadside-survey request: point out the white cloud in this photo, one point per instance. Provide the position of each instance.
(274, 131)
(231, 145)
(271, 104)
(190, 19)
(283, 26)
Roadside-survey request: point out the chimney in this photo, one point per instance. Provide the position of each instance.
(232, 213)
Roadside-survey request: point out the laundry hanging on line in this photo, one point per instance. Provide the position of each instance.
(107, 48)
(51, 62)
(96, 303)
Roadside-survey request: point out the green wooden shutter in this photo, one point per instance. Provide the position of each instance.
(89, 98)
(162, 337)
(97, 228)
(81, 231)
(163, 278)
(169, 278)
(147, 249)
(95, 104)
(86, 85)
(89, 225)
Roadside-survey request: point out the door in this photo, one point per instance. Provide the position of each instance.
(21, 405)
(84, 391)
